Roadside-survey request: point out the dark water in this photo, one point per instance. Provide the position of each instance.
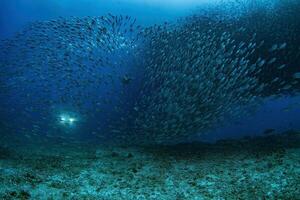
(179, 81)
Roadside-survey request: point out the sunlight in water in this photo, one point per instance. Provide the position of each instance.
(173, 3)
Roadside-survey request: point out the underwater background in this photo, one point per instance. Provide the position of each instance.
(128, 99)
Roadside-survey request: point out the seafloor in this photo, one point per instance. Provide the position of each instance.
(251, 168)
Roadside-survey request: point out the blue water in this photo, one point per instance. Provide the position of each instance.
(149, 99)
(14, 15)
(280, 114)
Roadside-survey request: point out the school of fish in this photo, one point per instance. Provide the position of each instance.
(158, 84)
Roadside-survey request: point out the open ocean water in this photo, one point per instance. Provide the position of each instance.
(150, 100)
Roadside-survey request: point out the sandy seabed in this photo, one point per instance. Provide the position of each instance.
(250, 168)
